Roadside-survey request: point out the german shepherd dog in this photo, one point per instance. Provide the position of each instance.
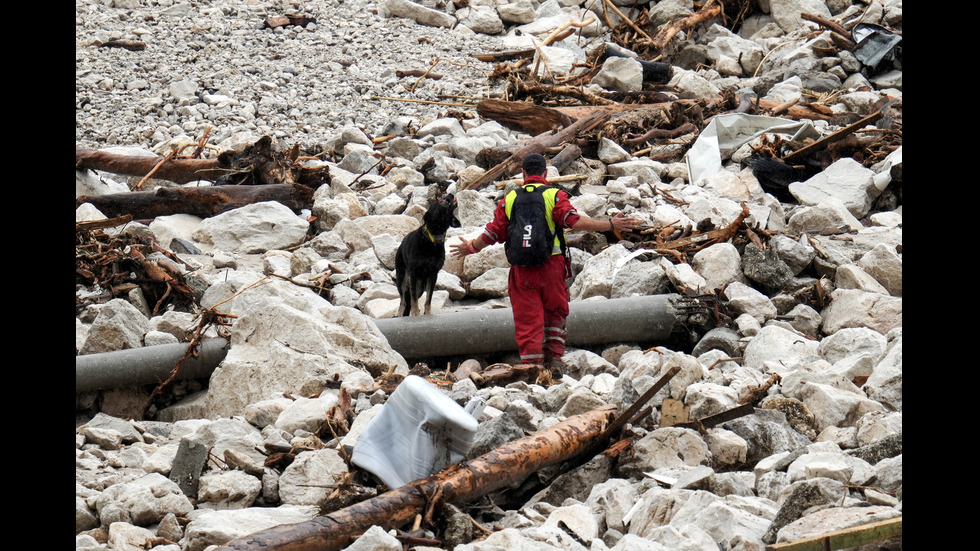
(420, 257)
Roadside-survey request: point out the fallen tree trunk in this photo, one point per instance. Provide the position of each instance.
(204, 202)
(537, 145)
(180, 171)
(507, 465)
(522, 116)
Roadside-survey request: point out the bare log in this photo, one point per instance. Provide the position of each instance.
(130, 45)
(522, 117)
(205, 201)
(505, 466)
(538, 144)
(180, 171)
(567, 155)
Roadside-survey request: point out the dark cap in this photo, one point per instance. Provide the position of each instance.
(535, 162)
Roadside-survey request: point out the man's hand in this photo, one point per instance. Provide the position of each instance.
(623, 224)
(462, 248)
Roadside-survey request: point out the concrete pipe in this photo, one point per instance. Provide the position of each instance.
(590, 322)
(147, 365)
(634, 319)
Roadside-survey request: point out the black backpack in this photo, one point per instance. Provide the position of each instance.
(530, 242)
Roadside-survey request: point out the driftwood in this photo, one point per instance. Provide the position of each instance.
(535, 119)
(261, 163)
(92, 225)
(505, 466)
(179, 171)
(826, 141)
(122, 263)
(130, 45)
(841, 34)
(504, 56)
(522, 117)
(538, 144)
(709, 10)
(501, 184)
(699, 241)
(503, 374)
(567, 155)
(204, 202)
(661, 134)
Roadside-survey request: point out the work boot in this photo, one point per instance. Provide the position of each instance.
(556, 367)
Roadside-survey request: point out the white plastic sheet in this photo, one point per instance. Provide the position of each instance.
(726, 133)
(418, 432)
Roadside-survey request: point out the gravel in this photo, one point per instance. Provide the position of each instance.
(217, 65)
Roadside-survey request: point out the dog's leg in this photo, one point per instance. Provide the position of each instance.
(404, 294)
(417, 288)
(430, 287)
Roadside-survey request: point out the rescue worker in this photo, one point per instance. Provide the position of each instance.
(539, 294)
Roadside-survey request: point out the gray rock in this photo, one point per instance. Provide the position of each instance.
(236, 231)
(188, 464)
(801, 496)
(767, 433)
(118, 326)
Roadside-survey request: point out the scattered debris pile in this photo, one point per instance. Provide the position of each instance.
(113, 266)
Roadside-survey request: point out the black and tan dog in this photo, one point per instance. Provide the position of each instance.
(420, 257)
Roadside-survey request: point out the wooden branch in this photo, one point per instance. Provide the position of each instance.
(180, 171)
(205, 201)
(609, 5)
(93, 225)
(631, 413)
(832, 26)
(564, 31)
(556, 180)
(826, 141)
(505, 466)
(576, 92)
(795, 112)
(504, 56)
(709, 10)
(126, 45)
(659, 134)
(713, 236)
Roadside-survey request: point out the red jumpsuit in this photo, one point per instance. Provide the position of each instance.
(538, 294)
